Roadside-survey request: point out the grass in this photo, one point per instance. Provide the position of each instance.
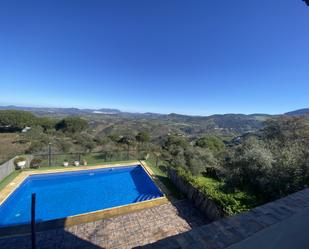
(246, 199)
(161, 174)
(8, 179)
(90, 164)
(232, 201)
(91, 158)
(100, 157)
(211, 182)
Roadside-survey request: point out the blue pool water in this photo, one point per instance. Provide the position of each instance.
(59, 195)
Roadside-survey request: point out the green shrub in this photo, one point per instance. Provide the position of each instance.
(19, 159)
(231, 201)
(35, 163)
(72, 125)
(16, 119)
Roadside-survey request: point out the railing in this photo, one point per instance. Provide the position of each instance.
(57, 159)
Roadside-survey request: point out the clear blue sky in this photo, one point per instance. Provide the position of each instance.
(194, 57)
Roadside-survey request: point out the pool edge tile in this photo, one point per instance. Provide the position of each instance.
(85, 217)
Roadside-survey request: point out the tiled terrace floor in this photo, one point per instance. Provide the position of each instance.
(281, 224)
(125, 231)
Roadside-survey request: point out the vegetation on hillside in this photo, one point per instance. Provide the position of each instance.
(13, 120)
(261, 168)
(231, 200)
(275, 165)
(255, 167)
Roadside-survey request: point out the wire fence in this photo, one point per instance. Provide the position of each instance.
(82, 158)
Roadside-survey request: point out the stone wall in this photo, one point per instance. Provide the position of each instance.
(200, 200)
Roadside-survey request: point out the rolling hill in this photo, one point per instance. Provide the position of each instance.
(107, 121)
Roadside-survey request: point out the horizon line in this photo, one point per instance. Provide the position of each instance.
(138, 112)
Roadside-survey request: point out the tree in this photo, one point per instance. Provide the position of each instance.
(128, 140)
(213, 143)
(114, 137)
(64, 146)
(85, 141)
(286, 129)
(193, 161)
(46, 123)
(250, 166)
(72, 125)
(211, 163)
(142, 137)
(16, 120)
(102, 140)
(174, 140)
(35, 133)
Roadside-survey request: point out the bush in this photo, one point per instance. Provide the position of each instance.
(214, 144)
(143, 156)
(274, 165)
(231, 201)
(127, 140)
(250, 166)
(37, 147)
(72, 125)
(19, 159)
(17, 120)
(47, 124)
(64, 146)
(85, 141)
(142, 137)
(35, 163)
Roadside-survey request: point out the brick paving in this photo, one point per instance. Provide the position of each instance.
(125, 231)
(232, 230)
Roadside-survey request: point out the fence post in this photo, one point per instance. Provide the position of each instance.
(49, 154)
(33, 236)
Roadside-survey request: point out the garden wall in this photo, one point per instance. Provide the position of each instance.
(8, 167)
(200, 201)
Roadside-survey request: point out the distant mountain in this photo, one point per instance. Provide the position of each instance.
(220, 122)
(186, 124)
(51, 111)
(298, 112)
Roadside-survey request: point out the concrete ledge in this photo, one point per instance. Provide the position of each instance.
(76, 219)
(82, 218)
(15, 183)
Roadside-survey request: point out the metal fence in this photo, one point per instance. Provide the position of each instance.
(57, 159)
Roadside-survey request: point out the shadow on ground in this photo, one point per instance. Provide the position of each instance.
(124, 231)
(54, 239)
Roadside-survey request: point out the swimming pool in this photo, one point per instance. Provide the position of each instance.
(59, 195)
